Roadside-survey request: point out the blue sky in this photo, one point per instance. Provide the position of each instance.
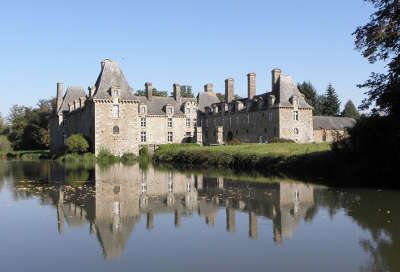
(189, 42)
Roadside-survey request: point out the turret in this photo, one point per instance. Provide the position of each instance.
(60, 90)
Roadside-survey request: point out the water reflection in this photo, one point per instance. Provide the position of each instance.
(112, 200)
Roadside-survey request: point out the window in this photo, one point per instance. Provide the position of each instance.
(143, 122)
(188, 134)
(169, 122)
(187, 122)
(187, 110)
(116, 111)
(115, 130)
(143, 136)
(195, 122)
(65, 137)
(142, 110)
(295, 115)
(296, 131)
(270, 116)
(170, 137)
(169, 110)
(116, 93)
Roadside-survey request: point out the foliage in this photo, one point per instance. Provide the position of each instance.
(330, 103)
(154, 92)
(379, 40)
(5, 145)
(350, 110)
(29, 127)
(280, 140)
(186, 91)
(310, 94)
(76, 143)
(3, 126)
(128, 158)
(105, 157)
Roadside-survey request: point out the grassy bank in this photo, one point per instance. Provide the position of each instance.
(299, 161)
(26, 155)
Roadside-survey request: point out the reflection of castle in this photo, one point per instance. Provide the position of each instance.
(123, 193)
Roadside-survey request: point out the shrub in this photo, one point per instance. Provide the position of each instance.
(280, 140)
(5, 145)
(76, 143)
(128, 158)
(144, 152)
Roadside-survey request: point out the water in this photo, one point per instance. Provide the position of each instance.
(123, 218)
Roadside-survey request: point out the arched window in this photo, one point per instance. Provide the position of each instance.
(115, 130)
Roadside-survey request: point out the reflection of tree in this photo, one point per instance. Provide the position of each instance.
(376, 212)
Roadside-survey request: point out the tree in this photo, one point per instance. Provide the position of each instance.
(76, 143)
(331, 103)
(310, 94)
(221, 97)
(350, 110)
(379, 40)
(5, 145)
(154, 92)
(186, 91)
(3, 126)
(18, 123)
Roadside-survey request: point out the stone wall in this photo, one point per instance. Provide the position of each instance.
(126, 141)
(328, 135)
(300, 130)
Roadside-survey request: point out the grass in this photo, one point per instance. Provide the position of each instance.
(273, 150)
(280, 159)
(27, 155)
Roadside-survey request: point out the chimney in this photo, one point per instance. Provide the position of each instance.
(177, 92)
(60, 90)
(208, 88)
(149, 90)
(251, 85)
(276, 73)
(229, 90)
(271, 100)
(82, 101)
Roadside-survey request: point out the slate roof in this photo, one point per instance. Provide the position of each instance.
(332, 122)
(157, 104)
(287, 89)
(71, 94)
(205, 99)
(111, 75)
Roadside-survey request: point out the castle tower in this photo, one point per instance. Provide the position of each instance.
(60, 89)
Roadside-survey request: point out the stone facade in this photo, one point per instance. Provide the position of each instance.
(111, 117)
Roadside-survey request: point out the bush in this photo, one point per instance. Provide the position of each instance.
(5, 145)
(280, 140)
(76, 143)
(128, 158)
(144, 152)
(105, 156)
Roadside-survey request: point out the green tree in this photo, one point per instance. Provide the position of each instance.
(18, 122)
(379, 40)
(76, 143)
(5, 145)
(186, 91)
(350, 110)
(310, 94)
(330, 103)
(154, 92)
(3, 126)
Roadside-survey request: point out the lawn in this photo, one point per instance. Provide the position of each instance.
(276, 149)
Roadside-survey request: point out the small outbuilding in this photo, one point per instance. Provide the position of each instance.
(331, 128)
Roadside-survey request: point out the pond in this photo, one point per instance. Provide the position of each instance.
(125, 218)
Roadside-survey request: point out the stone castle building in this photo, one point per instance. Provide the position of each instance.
(111, 117)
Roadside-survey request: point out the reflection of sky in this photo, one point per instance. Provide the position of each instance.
(29, 230)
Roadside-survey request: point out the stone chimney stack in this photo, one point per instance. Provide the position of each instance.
(229, 90)
(251, 85)
(276, 73)
(60, 90)
(149, 90)
(208, 88)
(177, 92)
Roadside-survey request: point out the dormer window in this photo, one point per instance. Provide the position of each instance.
(116, 93)
(296, 115)
(142, 109)
(187, 110)
(169, 110)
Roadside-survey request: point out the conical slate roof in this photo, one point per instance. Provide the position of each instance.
(111, 75)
